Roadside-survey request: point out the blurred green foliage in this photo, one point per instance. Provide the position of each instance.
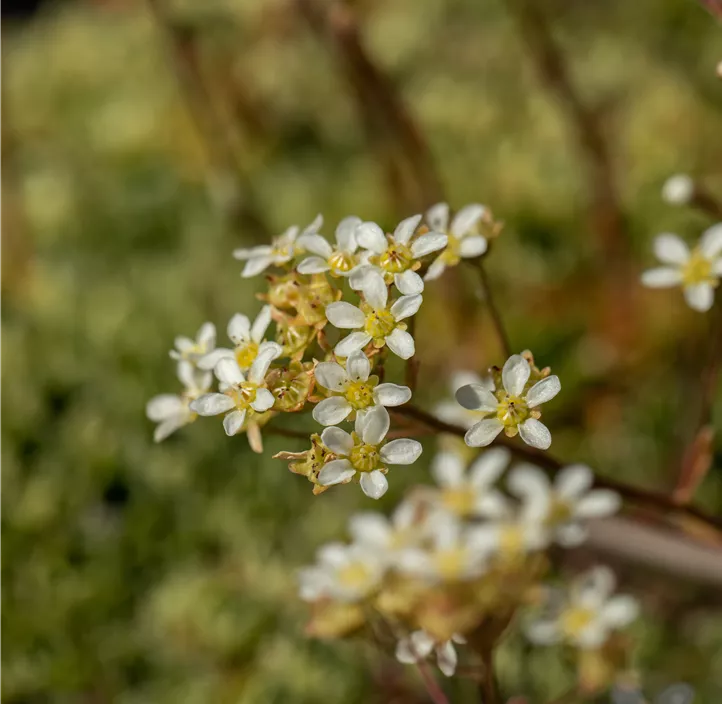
(140, 573)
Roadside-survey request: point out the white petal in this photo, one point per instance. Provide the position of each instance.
(710, 243)
(208, 362)
(207, 335)
(256, 265)
(661, 277)
(183, 343)
(374, 484)
(406, 228)
(447, 469)
(543, 632)
(168, 427)
(404, 652)
(358, 366)
(314, 227)
(437, 217)
(369, 528)
(466, 219)
(476, 397)
(346, 233)
(492, 504)
(401, 451)
(409, 283)
(335, 472)
(535, 433)
(699, 297)
(406, 306)
(543, 391)
(239, 328)
(331, 376)
(212, 404)
(316, 245)
(401, 343)
(358, 276)
(338, 441)
(370, 236)
(391, 394)
(670, 249)
(374, 290)
(446, 658)
(343, 315)
(351, 343)
(263, 401)
(571, 534)
(312, 265)
(332, 410)
(483, 433)
(428, 243)
(489, 467)
(228, 372)
(678, 189)
(599, 503)
(620, 611)
(717, 267)
(421, 643)
(515, 374)
(242, 254)
(162, 407)
(473, 246)
(233, 421)
(529, 483)
(374, 425)
(573, 481)
(593, 636)
(437, 268)
(260, 324)
(267, 352)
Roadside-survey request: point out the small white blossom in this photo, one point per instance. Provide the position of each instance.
(386, 536)
(468, 493)
(192, 350)
(565, 504)
(375, 320)
(419, 645)
(513, 407)
(449, 409)
(588, 614)
(353, 389)
(172, 411)
(239, 396)
(246, 337)
(341, 260)
(365, 452)
(399, 255)
(678, 189)
(698, 272)
(464, 240)
(281, 250)
(348, 573)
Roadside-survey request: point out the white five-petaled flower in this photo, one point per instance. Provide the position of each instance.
(246, 337)
(365, 452)
(347, 573)
(464, 240)
(469, 493)
(340, 260)
(386, 537)
(193, 350)
(419, 645)
(698, 272)
(397, 256)
(172, 411)
(239, 396)
(564, 505)
(354, 389)
(375, 320)
(513, 406)
(587, 615)
(281, 250)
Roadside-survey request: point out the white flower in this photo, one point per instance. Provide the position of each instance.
(565, 504)
(678, 189)
(455, 552)
(450, 411)
(698, 272)
(470, 493)
(397, 256)
(353, 389)
(365, 452)
(193, 350)
(513, 406)
(588, 614)
(340, 260)
(464, 240)
(419, 645)
(172, 411)
(386, 537)
(246, 338)
(281, 250)
(239, 397)
(347, 573)
(374, 320)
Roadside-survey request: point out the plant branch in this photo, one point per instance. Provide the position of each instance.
(488, 296)
(432, 686)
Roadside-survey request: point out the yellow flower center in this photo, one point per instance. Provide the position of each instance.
(512, 410)
(560, 511)
(354, 575)
(697, 270)
(450, 563)
(246, 353)
(395, 259)
(379, 324)
(244, 395)
(359, 394)
(341, 262)
(574, 620)
(459, 500)
(451, 255)
(511, 542)
(365, 458)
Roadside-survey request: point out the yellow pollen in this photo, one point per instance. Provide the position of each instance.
(559, 512)
(379, 324)
(359, 394)
(365, 458)
(451, 255)
(697, 270)
(512, 410)
(574, 620)
(396, 258)
(244, 395)
(341, 262)
(460, 500)
(246, 353)
(450, 563)
(355, 574)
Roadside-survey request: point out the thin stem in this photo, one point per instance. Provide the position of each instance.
(488, 688)
(493, 309)
(286, 432)
(432, 686)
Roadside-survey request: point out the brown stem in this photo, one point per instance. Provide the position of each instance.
(703, 200)
(488, 687)
(287, 432)
(493, 309)
(432, 686)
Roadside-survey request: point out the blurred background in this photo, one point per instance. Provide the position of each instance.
(143, 141)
